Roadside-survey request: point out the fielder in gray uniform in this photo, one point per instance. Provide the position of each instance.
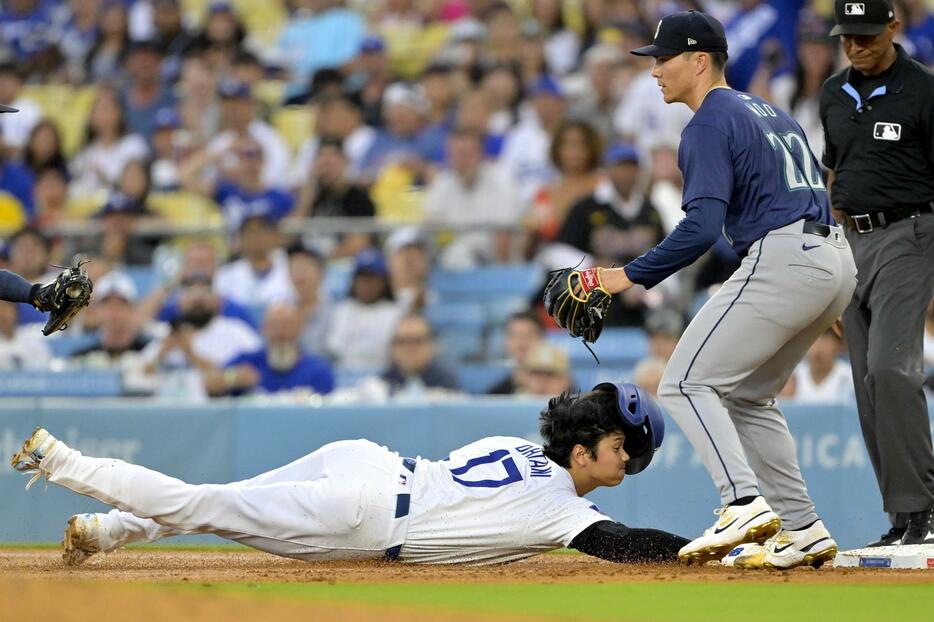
(750, 176)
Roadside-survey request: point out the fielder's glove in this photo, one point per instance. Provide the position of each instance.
(63, 297)
(577, 300)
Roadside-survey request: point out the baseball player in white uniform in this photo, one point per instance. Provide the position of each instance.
(497, 500)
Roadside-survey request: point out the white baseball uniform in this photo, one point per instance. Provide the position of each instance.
(496, 500)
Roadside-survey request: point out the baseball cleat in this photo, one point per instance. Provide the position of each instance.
(737, 524)
(27, 459)
(82, 539)
(787, 549)
(890, 538)
(920, 528)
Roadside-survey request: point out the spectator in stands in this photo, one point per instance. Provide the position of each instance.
(15, 128)
(104, 61)
(918, 29)
(16, 190)
(50, 196)
(248, 69)
(648, 373)
(822, 378)
(306, 271)
(281, 365)
(363, 323)
(504, 34)
(166, 154)
(27, 28)
(664, 328)
(121, 241)
(321, 33)
(413, 369)
(30, 252)
(324, 84)
(146, 93)
(524, 332)
(221, 37)
(43, 148)
(171, 34)
(120, 336)
(199, 340)
(546, 371)
(757, 31)
(526, 149)
(239, 188)
(575, 154)
(798, 91)
(369, 76)
(261, 275)
(533, 61)
(435, 83)
(474, 193)
(198, 106)
(108, 146)
(20, 347)
(474, 112)
(563, 44)
(78, 36)
(599, 95)
(135, 182)
(503, 86)
(617, 222)
(407, 251)
(199, 261)
(338, 118)
(239, 121)
(404, 112)
(329, 193)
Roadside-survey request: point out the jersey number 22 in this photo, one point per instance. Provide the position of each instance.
(797, 176)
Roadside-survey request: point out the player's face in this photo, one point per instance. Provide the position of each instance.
(609, 466)
(868, 53)
(674, 77)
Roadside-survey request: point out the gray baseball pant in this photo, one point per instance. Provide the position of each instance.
(739, 351)
(885, 330)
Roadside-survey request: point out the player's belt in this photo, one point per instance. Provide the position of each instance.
(816, 228)
(403, 500)
(867, 223)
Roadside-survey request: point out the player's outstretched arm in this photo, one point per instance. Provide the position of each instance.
(14, 288)
(616, 542)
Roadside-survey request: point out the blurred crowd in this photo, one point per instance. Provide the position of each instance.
(222, 163)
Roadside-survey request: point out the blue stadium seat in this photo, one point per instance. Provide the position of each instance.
(348, 378)
(463, 344)
(478, 379)
(620, 347)
(144, 278)
(451, 315)
(513, 280)
(337, 280)
(586, 379)
(62, 345)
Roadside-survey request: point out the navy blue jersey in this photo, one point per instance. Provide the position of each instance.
(756, 159)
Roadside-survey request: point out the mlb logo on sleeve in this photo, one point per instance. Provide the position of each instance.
(854, 8)
(887, 131)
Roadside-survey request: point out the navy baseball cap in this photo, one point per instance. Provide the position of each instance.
(234, 89)
(869, 17)
(546, 85)
(370, 260)
(620, 152)
(167, 118)
(8, 109)
(685, 31)
(371, 45)
(120, 203)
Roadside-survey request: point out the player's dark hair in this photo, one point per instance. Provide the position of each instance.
(718, 60)
(583, 419)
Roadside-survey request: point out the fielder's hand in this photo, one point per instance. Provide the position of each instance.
(63, 298)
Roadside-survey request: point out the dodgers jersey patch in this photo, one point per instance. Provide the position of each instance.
(887, 131)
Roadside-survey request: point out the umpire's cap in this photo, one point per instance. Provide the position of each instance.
(645, 425)
(685, 31)
(869, 17)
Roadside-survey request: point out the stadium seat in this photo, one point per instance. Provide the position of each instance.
(459, 345)
(186, 209)
(510, 280)
(144, 278)
(295, 124)
(460, 315)
(349, 378)
(478, 379)
(616, 347)
(586, 379)
(62, 344)
(337, 280)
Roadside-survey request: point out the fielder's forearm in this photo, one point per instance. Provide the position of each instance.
(616, 542)
(14, 288)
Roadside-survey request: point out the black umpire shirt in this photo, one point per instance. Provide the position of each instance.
(879, 136)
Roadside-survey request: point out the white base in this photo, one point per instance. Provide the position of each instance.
(913, 556)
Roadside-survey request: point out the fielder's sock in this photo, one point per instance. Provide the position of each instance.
(744, 500)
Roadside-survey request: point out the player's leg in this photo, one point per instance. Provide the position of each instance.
(319, 518)
(760, 308)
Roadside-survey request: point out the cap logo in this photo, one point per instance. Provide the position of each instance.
(691, 41)
(854, 8)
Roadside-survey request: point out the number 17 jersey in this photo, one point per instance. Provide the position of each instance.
(755, 158)
(493, 501)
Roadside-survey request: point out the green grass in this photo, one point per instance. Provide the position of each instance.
(659, 602)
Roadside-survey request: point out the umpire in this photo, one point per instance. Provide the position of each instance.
(878, 118)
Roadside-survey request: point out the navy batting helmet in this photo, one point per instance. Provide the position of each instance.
(644, 422)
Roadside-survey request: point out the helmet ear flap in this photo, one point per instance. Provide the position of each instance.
(643, 423)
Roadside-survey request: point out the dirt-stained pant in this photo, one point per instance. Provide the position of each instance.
(738, 353)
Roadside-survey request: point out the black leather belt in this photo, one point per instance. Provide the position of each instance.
(816, 228)
(867, 223)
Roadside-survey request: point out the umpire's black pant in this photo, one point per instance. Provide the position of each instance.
(884, 328)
